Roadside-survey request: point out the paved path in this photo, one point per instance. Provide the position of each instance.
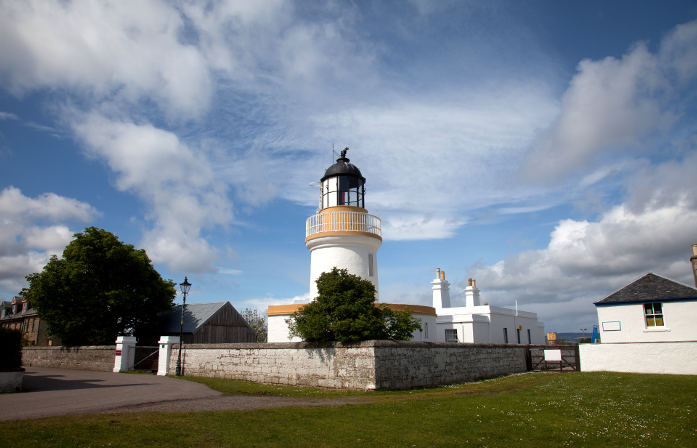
(56, 392)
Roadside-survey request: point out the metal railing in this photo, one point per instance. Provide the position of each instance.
(342, 221)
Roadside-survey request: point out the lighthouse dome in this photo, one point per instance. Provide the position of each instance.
(343, 167)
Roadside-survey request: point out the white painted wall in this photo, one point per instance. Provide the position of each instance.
(679, 319)
(428, 328)
(640, 357)
(485, 324)
(350, 252)
(278, 329)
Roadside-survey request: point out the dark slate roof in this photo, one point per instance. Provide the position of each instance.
(648, 288)
(195, 316)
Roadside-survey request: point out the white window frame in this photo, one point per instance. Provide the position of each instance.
(652, 312)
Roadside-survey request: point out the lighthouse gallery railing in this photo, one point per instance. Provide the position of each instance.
(342, 221)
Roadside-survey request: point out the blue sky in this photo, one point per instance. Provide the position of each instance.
(546, 148)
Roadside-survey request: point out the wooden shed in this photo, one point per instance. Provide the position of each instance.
(208, 323)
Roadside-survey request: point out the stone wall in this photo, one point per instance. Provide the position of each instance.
(94, 357)
(296, 364)
(405, 365)
(367, 365)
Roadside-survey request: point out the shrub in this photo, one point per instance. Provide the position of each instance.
(10, 349)
(345, 311)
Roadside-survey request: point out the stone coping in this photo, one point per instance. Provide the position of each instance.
(363, 344)
(70, 348)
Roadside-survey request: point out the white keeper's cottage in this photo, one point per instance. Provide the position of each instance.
(646, 327)
(650, 309)
(343, 234)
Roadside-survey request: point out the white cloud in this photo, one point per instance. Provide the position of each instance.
(8, 116)
(587, 260)
(15, 207)
(122, 50)
(262, 303)
(48, 238)
(612, 103)
(419, 227)
(175, 181)
(28, 236)
(288, 81)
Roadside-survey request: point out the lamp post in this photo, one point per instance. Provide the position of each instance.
(184, 286)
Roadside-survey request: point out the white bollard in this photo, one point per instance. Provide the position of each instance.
(125, 356)
(166, 343)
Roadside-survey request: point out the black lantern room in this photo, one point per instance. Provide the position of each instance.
(342, 184)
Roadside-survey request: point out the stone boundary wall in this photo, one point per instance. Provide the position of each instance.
(640, 357)
(91, 357)
(406, 365)
(365, 365)
(295, 364)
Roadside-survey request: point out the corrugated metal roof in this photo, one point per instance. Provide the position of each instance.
(650, 287)
(195, 315)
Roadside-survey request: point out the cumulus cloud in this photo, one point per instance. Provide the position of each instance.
(586, 260)
(175, 181)
(614, 102)
(262, 303)
(288, 83)
(33, 229)
(115, 50)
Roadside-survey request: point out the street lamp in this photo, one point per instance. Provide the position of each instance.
(184, 286)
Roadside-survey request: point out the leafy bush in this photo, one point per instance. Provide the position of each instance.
(345, 311)
(10, 349)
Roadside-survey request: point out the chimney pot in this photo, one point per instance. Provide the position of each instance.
(442, 275)
(469, 282)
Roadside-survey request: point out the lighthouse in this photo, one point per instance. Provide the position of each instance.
(342, 233)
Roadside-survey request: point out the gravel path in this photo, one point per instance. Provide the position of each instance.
(58, 392)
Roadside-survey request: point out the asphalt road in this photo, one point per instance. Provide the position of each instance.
(58, 392)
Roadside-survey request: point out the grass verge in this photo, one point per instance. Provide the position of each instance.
(574, 409)
(236, 387)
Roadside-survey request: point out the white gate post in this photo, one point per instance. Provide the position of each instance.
(166, 343)
(125, 353)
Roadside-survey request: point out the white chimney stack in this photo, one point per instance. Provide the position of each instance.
(471, 293)
(441, 292)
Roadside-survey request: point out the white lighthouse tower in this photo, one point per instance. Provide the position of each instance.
(342, 234)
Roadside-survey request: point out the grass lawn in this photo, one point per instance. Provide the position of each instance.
(532, 410)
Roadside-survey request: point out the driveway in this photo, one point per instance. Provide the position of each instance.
(57, 392)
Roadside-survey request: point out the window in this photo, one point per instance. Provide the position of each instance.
(654, 314)
(505, 335)
(517, 332)
(529, 338)
(426, 330)
(451, 335)
(370, 265)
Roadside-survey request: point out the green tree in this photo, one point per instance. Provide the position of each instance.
(345, 311)
(99, 289)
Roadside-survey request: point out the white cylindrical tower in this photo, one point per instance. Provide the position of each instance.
(342, 234)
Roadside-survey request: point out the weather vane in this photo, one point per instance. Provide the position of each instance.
(343, 152)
